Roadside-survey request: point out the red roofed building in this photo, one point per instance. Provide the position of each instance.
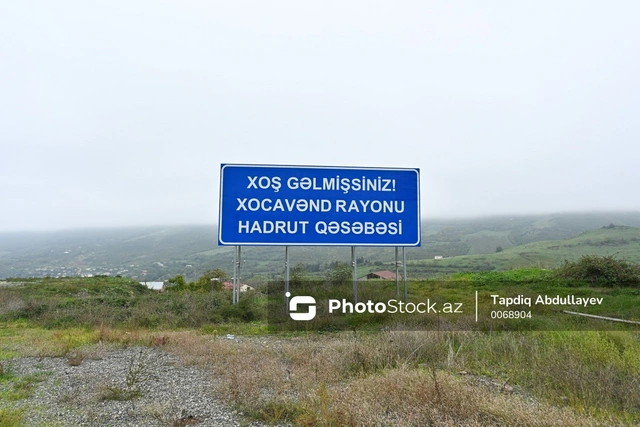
(384, 275)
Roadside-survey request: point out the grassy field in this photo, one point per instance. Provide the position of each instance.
(623, 242)
(466, 377)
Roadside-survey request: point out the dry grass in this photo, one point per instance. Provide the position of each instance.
(389, 378)
(10, 302)
(75, 357)
(400, 379)
(410, 397)
(169, 414)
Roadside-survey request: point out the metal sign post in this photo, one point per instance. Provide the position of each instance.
(354, 274)
(238, 277)
(235, 274)
(397, 278)
(404, 274)
(286, 278)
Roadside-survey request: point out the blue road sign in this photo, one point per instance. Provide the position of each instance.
(318, 205)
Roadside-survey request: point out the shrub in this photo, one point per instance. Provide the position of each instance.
(340, 274)
(248, 309)
(601, 271)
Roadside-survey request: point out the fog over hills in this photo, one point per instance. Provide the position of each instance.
(158, 253)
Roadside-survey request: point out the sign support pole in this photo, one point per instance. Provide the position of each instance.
(235, 274)
(397, 278)
(404, 273)
(354, 275)
(286, 278)
(238, 278)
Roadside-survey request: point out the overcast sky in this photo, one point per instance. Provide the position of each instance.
(120, 112)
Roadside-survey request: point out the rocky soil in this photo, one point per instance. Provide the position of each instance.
(135, 386)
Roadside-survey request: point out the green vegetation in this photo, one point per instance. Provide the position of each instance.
(13, 388)
(618, 242)
(19, 387)
(11, 417)
(480, 375)
(94, 302)
(119, 302)
(602, 271)
(210, 281)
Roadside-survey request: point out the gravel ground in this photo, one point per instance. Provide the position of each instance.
(168, 393)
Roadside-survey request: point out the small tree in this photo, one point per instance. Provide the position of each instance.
(340, 274)
(212, 280)
(297, 274)
(178, 282)
(216, 274)
(498, 249)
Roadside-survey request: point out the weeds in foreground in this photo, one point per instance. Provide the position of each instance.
(11, 417)
(24, 387)
(136, 375)
(402, 379)
(14, 387)
(597, 370)
(75, 358)
(169, 415)
(110, 392)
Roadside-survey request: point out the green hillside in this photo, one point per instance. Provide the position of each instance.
(158, 253)
(618, 241)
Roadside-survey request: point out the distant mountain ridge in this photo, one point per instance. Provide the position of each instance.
(157, 253)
